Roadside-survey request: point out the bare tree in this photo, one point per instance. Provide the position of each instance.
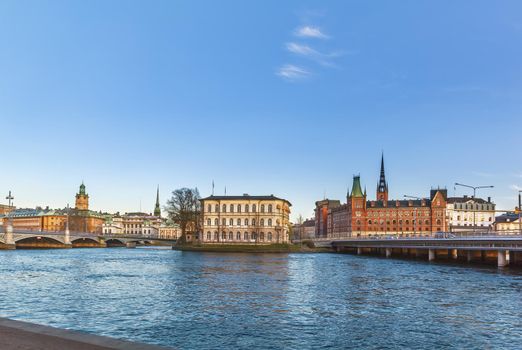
(300, 221)
(184, 208)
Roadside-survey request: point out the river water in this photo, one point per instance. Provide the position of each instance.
(297, 301)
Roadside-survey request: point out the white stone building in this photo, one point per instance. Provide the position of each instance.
(470, 214)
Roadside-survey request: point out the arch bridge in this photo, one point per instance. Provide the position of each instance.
(25, 239)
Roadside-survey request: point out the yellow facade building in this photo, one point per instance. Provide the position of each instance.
(245, 220)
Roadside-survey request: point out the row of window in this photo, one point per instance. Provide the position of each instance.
(238, 222)
(475, 206)
(237, 208)
(476, 219)
(241, 237)
(426, 222)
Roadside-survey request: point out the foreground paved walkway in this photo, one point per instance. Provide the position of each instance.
(16, 335)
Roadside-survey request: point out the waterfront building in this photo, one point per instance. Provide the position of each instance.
(470, 214)
(363, 217)
(5, 209)
(169, 230)
(509, 223)
(304, 231)
(80, 218)
(322, 211)
(244, 220)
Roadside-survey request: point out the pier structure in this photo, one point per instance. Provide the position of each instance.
(502, 250)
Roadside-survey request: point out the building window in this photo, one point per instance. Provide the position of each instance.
(261, 236)
(238, 222)
(262, 208)
(217, 208)
(269, 222)
(231, 208)
(209, 222)
(230, 236)
(231, 222)
(209, 236)
(245, 235)
(262, 222)
(253, 222)
(253, 208)
(238, 236)
(239, 208)
(216, 222)
(224, 236)
(246, 222)
(224, 208)
(209, 208)
(216, 236)
(246, 208)
(224, 222)
(270, 208)
(269, 236)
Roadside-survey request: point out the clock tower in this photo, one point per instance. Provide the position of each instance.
(82, 199)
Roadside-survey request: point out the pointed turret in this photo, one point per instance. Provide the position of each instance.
(157, 209)
(382, 185)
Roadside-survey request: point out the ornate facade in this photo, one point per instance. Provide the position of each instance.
(362, 217)
(245, 220)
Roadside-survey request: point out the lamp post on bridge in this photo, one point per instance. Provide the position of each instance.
(519, 212)
(475, 188)
(9, 237)
(67, 236)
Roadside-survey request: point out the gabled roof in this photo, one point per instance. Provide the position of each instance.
(245, 197)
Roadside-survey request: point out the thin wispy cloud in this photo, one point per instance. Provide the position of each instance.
(324, 59)
(482, 174)
(515, 187)
(292, 72)
(310, 32)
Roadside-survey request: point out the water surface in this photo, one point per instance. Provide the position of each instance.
(296, 301)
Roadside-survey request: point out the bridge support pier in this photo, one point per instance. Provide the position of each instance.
(431, 254)
(453, 254)
(502, 258)
(388, 252)
(469, 255)
(131, 244)
(67, 239)
(9, 238)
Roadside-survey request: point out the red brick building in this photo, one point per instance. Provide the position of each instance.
(362, 217)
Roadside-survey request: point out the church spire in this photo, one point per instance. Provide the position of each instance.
(157, 209)
(382, 185)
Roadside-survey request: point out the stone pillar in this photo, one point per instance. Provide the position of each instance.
(453, 254)
(131, 244)
(502, 258)
(9, 237)
(359, 251)
(67, 239)
(431, 254)
(388, 252)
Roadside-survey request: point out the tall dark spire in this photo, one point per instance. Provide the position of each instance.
(157, 209)
(382, 185)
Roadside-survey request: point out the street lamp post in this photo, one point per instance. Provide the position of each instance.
(519, 212)
(414, 213)
(475, 188)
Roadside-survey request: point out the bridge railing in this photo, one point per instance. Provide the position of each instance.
(438, 235)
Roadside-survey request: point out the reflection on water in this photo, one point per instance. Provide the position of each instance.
(265, 301)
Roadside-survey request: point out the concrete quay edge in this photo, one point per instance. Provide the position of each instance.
(19, 335)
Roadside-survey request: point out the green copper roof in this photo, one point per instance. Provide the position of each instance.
(356, 187)
(82, 188)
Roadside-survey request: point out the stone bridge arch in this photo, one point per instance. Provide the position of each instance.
(39, 242)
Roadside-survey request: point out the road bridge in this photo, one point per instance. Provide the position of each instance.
(503, 249)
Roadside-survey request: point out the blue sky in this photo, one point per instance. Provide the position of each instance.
(283, 97)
